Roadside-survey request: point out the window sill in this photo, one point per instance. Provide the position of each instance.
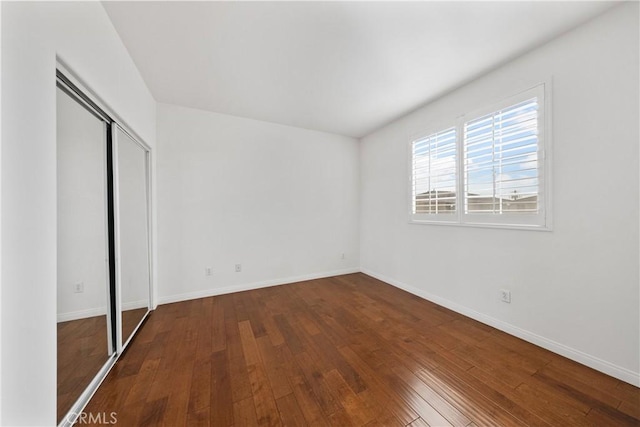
(506, 226)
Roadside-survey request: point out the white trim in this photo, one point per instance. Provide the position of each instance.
(596, 363)
(150, 226)
(504, 226)
(251, 286)
(1, 219)
(547, 159)
(116, 236)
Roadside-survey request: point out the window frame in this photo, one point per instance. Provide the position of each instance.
(542, 221)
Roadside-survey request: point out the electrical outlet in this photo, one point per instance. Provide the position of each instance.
(238, 268)
(208, 271)
(505, 295)
(78, 287)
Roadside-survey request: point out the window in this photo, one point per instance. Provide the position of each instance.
(434, 174)
(488, 170)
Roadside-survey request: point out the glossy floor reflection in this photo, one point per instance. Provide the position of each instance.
(347, 350)
(82, 351)
(130, 320)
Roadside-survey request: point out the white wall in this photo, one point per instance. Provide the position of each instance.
(281, 201)
(575, 289)
(32, 35)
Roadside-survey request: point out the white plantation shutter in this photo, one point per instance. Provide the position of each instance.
(433, 166)
(501, 151)
(490, 169)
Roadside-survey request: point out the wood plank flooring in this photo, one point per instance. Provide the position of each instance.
(343, 351)
(82, 352)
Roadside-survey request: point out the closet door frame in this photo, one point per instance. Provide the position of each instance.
(74, 87)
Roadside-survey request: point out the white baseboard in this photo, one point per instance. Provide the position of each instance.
(250, 286)
(135, 304)
(100, 311)
(596, 363)
(81, 314)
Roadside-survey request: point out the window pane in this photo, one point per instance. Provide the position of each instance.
(434, 173)
(501, 161)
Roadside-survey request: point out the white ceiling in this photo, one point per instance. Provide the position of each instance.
(341, 67)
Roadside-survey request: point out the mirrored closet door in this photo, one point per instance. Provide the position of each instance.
(84, 305)
(103, 244)
(132, 224)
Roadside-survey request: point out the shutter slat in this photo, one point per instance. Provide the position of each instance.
(509, 161)
(498, 151)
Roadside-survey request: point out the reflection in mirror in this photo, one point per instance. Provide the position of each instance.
(133, 220)
(84, 343)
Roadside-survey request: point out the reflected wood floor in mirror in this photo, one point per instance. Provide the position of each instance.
(130, 319)
(347, 350)
(82, 351)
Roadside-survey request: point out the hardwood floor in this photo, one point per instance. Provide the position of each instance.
(82, 351)
(347, 350)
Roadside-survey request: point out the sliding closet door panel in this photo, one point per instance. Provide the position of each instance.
(133, 231)
(82, 246)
